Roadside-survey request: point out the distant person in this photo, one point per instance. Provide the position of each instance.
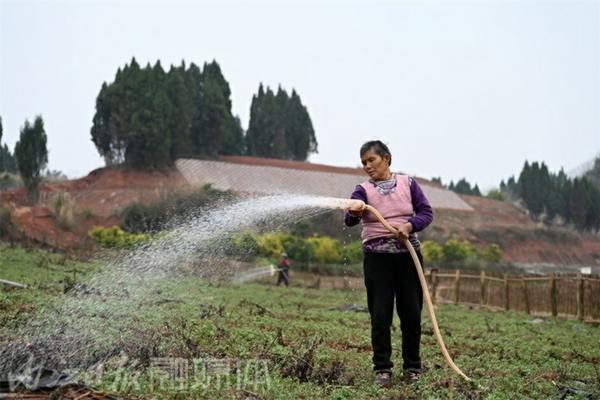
(284, 270)
(389, 270)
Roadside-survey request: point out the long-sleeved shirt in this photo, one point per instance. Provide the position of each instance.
(422, 218)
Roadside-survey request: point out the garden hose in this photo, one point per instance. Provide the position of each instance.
(436, 329)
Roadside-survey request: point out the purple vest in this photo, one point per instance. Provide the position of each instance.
(396, 208)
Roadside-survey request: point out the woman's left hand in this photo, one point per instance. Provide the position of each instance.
(404, 230)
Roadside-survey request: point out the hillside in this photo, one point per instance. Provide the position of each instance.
(100, 196)
(521, 239)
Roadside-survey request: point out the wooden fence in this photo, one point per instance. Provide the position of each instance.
(571, 296)
(556, 295)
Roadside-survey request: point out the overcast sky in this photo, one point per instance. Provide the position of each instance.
(457, 89)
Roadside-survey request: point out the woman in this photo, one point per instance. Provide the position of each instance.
(389, 270)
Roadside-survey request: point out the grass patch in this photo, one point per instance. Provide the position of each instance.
(303, 344)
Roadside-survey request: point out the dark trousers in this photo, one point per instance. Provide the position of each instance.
(283, 277)
(391, 276)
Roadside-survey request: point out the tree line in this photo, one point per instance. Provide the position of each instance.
(461, 187)
(549, 196)
(148, 118)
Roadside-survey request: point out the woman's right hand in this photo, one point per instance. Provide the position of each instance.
(357, 207)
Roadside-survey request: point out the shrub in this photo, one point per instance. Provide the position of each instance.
(324, 249)
(351, 253)
(454, 250)
(138, 218)
(495, 194)
(432, 252)
(296, 247)
(116, 238)
(87, 213)
(63, 210)
(246, 244)
(269, 245)
(492, 254)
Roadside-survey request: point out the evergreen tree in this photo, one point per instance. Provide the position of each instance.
(464, 187)
(280, 126)
(149, 144)
(529, 188)
(512, 186)
(594, 174)
(577, 204)
(193, 80)
(259, 138)
(181, 96)
(32, 156)
(592, 205)
(7, 160)
(301, 134)
(217, 130)
(148, 118)
(576, 201)
(233, 142)
(558, 197)
(104, 130)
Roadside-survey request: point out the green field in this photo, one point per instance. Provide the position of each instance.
(267, 342)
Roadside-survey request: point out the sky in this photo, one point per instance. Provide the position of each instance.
(456, 89)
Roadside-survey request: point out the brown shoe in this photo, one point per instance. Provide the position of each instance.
(383, 378)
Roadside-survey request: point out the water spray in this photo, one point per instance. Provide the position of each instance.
(130, 279)
(359, 204)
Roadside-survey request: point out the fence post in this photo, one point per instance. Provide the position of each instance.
(506, 288)
(553, 295)
(433, 285)
(482, 288)
(526, 295)
(580, 289)
(457, 286)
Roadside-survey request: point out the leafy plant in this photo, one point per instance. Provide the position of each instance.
(116, 238)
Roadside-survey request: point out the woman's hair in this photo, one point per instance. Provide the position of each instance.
(378, 147)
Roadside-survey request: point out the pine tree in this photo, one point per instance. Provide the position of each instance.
(233, 142)
(217, 124)
(279, 126)
(32, 156)
(592, 203)
(532, 186)
(181, 115)
(301, 134)
(149, 144)
(147, 118)
(594, 174)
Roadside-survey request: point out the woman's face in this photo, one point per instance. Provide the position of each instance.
(377, 167)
